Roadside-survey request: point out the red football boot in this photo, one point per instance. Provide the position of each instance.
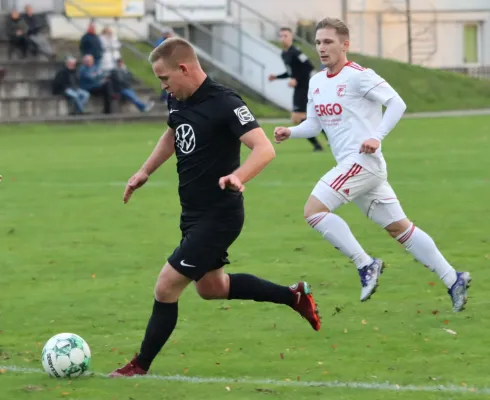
(130, 369)
(305, 305)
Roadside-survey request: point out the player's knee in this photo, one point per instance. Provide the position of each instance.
(314, 206)
(213, 289)
(170, 285)
(396, 228)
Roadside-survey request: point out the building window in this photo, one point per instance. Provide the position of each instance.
(470, 43)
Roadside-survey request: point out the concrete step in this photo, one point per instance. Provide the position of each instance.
(153, 116)
(18, 88)
(55, 106)
(34, 69)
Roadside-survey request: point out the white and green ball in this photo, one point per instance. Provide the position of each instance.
(66, 355)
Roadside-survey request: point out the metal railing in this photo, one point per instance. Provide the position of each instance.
(237, 10)
(219, 47)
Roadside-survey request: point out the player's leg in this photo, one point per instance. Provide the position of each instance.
(300, 101)
(170, 285)
(383, 207)
(217, 235)
(339, 186)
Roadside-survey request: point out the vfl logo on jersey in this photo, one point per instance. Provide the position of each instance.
(185, 138)
(244, 115)
(341, 90)
(317, 91)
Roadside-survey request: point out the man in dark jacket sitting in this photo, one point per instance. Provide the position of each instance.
(123, 80)
(94, 80)
(67, 83)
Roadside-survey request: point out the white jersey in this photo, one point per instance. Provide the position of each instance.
(349, 107)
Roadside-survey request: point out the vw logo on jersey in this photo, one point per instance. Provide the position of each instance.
(185, 138)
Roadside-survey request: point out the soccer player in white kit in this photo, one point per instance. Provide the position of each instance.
(346, 100)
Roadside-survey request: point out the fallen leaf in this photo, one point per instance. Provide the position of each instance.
(418, 311)
(3, 370)
(113, 349)
(334, 346)
(435, 312)
(446, 322)
(93, 276)
(325, 372)
(218, 363)
(364, 322)
(186, 370)
(227, 349)
(287, 380)
(432, 284)
(65, 393)
(282, 356)
(298, 378)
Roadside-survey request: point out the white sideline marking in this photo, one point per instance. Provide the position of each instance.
(271, 382)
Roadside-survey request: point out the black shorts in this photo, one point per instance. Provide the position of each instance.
(300, 99)
(205, 242)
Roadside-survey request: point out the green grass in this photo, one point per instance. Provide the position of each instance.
(73, 258)
(424, 89)
(142, 69)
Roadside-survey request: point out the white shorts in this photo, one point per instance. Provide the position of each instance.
(347, 183)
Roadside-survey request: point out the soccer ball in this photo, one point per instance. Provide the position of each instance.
(66, 355)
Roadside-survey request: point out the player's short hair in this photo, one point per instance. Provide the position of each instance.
(334, 23)
(285, 29)
(174, 51)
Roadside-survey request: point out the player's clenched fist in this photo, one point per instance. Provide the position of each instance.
(135, 182)
(369, 146)
(281, 134)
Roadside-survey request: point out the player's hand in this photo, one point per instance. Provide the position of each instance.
(231, 182)
(272, 78)
(281, 134)
(292, 82)
(135, 182)
(370, 146)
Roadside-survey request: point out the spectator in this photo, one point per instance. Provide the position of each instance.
(67, 83)
(17, 33)
(95, 81)
(90, 44)
(166, 33)
(122, 83)
(35, 35)
(111, 49)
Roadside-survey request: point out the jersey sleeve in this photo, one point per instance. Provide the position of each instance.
(375, 88)
(238, 118)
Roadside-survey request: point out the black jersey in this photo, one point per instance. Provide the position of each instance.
(208, 126)
(298, 66)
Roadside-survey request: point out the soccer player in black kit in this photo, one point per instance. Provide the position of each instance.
(298, 70)
(207, 124)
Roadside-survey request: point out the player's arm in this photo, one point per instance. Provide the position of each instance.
(162, 152)
(242, 124)
(310, 127)
(375, 88)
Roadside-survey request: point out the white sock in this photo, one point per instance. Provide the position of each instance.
(337, 232)
(423, 248)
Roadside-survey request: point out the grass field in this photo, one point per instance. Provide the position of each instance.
(73, 258)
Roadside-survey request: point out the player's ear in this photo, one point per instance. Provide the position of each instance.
(184, 69)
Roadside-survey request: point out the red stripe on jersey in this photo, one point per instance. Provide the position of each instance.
(374, 87)
(355, 66)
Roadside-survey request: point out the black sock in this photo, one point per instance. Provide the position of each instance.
(250, 287)
(160, 326)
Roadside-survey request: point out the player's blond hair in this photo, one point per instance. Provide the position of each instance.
(174, 51)
(334, 23)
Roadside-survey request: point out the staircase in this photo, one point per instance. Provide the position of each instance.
(26, 96)
(424, 30)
